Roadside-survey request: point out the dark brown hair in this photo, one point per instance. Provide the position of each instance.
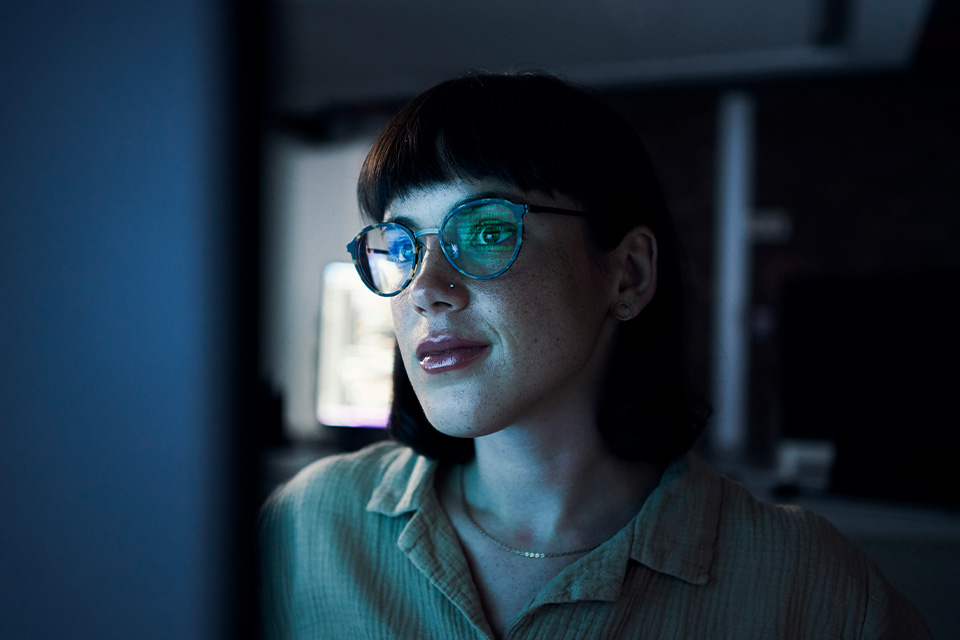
(540, 134)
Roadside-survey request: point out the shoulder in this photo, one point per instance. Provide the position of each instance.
(787, 537)
(738, 521)
(798, 557)
(340, 483)
(754, 522)
(326, 535)
(365, 467)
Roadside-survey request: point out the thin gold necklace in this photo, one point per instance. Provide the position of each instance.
(525, 554)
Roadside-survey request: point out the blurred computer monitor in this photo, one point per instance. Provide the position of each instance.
(356, 346)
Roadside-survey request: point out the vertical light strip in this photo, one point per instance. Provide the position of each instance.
(732, 273)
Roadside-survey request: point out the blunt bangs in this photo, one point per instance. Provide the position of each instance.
(529, 131)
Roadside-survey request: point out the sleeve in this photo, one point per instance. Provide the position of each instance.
(890, 615)
(277, 533)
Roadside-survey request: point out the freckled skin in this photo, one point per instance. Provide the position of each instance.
(546, 319)
(542, 476)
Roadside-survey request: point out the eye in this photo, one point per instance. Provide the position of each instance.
(401, 252)
(399, 247)
(492, 232)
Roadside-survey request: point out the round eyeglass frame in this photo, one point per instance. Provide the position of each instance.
(518, 210)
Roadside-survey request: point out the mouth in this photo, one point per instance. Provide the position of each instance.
(440, 354)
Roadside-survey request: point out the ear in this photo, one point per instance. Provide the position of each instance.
(636, 261)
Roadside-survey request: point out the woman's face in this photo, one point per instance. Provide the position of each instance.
(518, 349)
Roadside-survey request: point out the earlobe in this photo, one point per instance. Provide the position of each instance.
(637, 260)
(624, 311)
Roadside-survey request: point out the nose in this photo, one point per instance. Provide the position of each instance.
(437, 287)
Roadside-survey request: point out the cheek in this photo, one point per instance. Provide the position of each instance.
(402, 323)
(403, 328)
(548, 316)
(396, 312)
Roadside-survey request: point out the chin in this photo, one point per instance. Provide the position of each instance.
(457, 423)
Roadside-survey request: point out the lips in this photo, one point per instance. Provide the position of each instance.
(443, 353)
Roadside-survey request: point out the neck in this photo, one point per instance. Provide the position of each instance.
(543, 494)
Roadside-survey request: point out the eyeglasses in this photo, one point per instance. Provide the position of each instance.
(481, 239)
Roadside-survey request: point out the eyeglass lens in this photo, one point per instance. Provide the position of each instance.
(480, 240)
(386, 256)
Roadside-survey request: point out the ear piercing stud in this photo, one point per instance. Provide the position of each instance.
(623, 311)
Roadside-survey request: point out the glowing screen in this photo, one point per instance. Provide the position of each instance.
(355, 361)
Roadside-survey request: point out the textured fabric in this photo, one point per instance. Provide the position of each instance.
(357, 546)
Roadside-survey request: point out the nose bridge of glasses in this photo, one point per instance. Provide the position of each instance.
(425, 232)
(420, 238)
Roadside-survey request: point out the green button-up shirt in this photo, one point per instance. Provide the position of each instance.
(357, 546)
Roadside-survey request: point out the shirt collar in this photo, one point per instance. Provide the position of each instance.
(674, 533)
(406, 481)
(676, 529)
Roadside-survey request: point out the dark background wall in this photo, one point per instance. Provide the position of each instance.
(852, 313)
(119, 321)
(862, 300)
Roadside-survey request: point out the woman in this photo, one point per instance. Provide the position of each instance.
(541, 486)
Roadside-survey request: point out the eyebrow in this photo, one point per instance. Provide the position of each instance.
(483, 195)
(402, 220)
